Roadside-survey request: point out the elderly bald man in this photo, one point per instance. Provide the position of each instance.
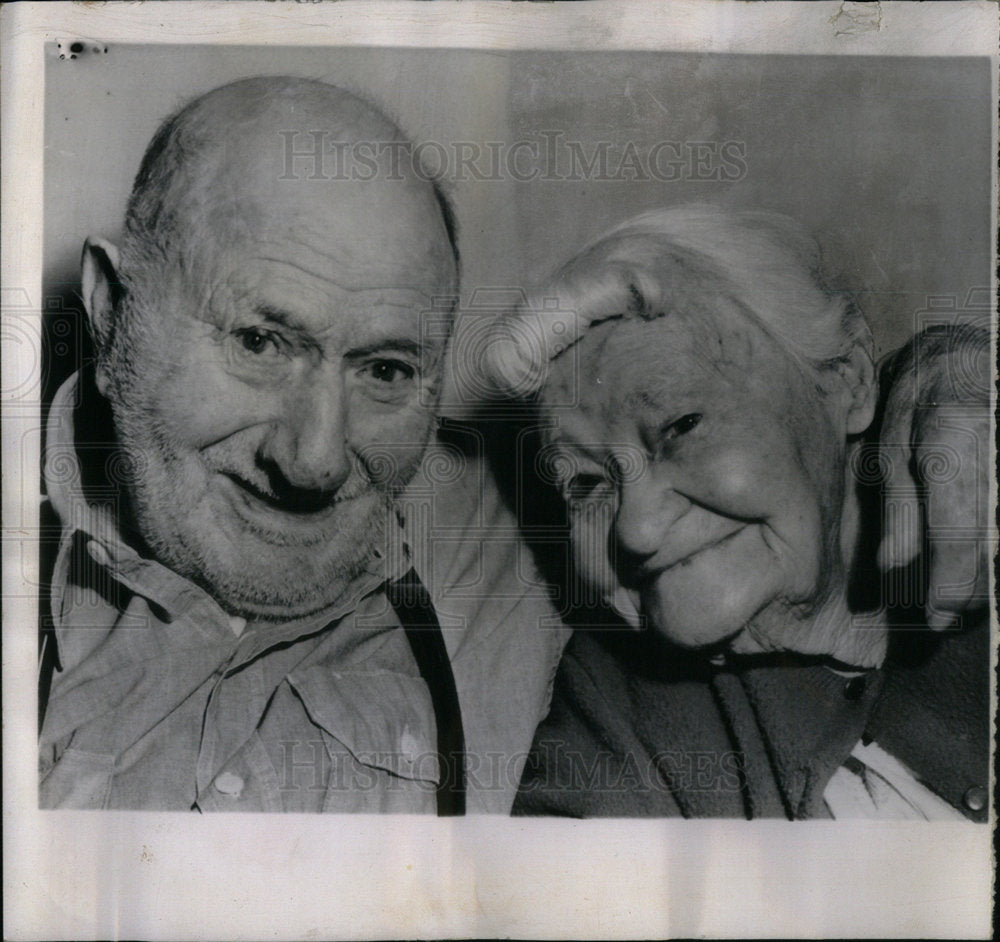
(237, 617)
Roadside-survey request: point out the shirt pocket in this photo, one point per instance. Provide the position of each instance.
(79, 780)
(383, 718)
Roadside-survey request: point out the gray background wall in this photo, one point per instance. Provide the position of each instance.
(886, 160)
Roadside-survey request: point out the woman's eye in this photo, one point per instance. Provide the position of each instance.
(257, 341)
(581, 486)
(681, 426)
(390, 371)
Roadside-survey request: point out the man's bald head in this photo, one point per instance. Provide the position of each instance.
(220, 168)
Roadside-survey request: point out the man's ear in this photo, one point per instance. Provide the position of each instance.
(858, 374)
(100, 288)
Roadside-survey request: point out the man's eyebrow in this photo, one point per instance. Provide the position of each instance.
(288, 320)
(397, 344)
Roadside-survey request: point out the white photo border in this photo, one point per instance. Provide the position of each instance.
(138, 875)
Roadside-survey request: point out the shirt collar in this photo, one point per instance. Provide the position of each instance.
(171, 592)
(64, 477)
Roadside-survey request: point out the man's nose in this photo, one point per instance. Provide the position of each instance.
(309, 444)
(647, 509)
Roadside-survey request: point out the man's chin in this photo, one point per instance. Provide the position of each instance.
(289, 587)
(281, 607)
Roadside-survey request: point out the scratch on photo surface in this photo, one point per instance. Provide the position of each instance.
(853, 19)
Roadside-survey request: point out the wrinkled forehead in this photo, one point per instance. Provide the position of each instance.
(621, 367)
(379, 233)
(332, 266)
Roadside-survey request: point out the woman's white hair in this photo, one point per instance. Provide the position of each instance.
(681, 259)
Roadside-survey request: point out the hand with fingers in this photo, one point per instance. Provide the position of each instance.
(936, 454)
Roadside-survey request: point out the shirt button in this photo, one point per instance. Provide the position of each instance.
(229, 783)
(854, 688)
(975, 798)
(408, 745)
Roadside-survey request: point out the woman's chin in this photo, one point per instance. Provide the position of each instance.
(689, 629)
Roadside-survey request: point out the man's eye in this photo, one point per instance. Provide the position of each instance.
(258, 342)
(681, 426)
(390, 371)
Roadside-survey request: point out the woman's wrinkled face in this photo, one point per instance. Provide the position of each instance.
(703, 471)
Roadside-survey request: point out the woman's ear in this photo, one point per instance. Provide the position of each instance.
(100, 287)
(857, 372)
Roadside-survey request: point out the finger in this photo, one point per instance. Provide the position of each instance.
(903, 523)
(902, 515)
(958, 581)
(957, 516)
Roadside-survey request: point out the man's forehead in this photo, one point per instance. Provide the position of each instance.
(317, 263)
(297, 273)
(381, 233)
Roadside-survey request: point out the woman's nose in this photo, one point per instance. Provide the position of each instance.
(647, 509)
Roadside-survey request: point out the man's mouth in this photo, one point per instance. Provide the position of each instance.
(286, 498)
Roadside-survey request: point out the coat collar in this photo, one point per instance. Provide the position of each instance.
(794, 724)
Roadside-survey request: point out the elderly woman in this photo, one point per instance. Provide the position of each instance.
(704, 401)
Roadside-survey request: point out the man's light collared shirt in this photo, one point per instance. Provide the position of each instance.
(164, 702)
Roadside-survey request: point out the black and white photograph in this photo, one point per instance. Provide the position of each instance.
(472, 476)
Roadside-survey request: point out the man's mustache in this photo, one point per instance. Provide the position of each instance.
(268, 483)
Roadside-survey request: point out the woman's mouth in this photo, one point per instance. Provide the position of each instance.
(651, 572)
